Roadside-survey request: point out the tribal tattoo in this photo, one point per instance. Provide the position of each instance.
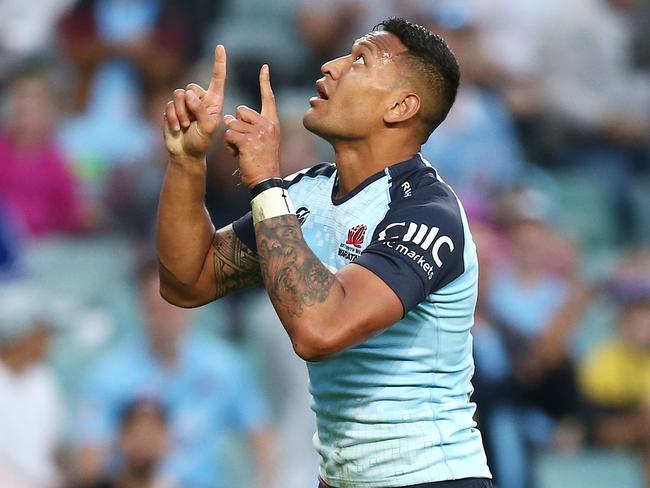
(294, 277)
(235, 266)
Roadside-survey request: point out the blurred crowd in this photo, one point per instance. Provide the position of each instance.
(103, 384)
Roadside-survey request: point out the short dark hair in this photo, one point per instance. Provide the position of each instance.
(435, 63)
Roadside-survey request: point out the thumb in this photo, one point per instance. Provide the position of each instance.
(206, 123)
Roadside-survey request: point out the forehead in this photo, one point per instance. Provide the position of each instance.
(386, 43)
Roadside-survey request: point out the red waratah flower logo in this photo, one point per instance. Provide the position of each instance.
(356, 235)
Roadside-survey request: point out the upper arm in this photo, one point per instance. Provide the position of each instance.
(229, 266)
(368, 307)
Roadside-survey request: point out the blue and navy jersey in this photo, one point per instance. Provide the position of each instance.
(395, 410)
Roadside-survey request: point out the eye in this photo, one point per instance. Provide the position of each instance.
(360, 59)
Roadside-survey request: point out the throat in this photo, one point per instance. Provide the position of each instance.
(355, 167)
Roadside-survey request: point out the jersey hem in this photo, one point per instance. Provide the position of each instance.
(409, 480)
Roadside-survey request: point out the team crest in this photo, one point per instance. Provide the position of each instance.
(356, 235)
(351, 248)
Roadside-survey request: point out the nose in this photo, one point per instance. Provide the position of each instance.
(334, 67)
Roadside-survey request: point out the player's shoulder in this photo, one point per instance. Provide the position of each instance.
(418, 192)
(322, 170)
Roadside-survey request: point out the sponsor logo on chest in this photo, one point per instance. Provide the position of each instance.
(351, 248)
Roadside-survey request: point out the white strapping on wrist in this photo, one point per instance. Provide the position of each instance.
(273, 202)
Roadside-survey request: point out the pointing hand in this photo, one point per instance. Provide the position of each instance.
(194, 114)
(255, 137)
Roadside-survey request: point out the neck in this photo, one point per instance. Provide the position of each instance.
(357, 160)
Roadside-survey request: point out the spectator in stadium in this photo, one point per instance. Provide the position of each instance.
(123, 53)
(615, 377)
(602, 96)
(476, 149)
(27, 31)
(36, 184)
(532, 305)
(142, 444)
(203, 384)
(130, 190)
(31, 408)
(598, 102)
(149, 48)
(630, 273)
(286, 384)
(509, 33)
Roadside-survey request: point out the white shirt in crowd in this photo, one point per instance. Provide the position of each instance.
(31, 414)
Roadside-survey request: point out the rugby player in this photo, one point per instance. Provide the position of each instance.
(369, 262)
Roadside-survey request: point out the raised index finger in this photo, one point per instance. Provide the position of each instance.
(218, 79)
(268, 99)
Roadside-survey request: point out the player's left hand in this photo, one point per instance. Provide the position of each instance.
(255, 137)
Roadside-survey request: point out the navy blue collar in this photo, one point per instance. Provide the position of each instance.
(393, 172)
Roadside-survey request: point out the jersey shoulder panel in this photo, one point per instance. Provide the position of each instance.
(418, 247)
(243, 227)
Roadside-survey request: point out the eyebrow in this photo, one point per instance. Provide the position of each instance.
(364, 44)
(377, 46)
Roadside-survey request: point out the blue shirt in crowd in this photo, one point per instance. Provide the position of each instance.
(207, 395)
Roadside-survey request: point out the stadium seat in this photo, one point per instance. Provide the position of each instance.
(587, 214)
(589, 469)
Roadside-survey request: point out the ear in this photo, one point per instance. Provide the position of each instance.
(405, 107)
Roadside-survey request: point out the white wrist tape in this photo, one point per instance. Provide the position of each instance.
(273, 202)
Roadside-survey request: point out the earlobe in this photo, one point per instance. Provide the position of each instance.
(403, 109)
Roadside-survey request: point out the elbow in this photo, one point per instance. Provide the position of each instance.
(315, 348)
(180, 298)
(310, 353)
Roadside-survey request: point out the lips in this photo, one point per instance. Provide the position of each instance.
(320, 89)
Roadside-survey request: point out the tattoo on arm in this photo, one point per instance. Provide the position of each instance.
(294, 277)
(235, 266)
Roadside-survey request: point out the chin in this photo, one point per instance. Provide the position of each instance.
(324, 127)
(313, 123)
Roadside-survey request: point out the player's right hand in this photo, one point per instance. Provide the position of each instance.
(194, 113)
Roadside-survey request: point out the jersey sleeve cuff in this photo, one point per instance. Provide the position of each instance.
(245, 232)
(399, 278)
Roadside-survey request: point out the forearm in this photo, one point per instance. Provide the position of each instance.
(305, 294)
(184, 229)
